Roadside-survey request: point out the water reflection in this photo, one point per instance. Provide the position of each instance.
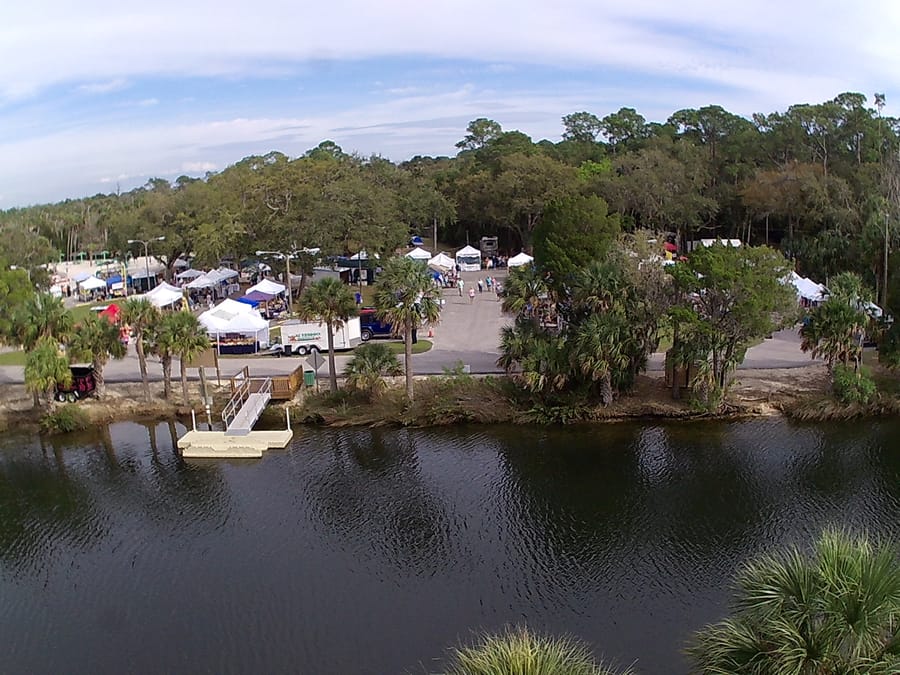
(360, 551)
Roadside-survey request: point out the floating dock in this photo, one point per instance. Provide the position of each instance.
(238, 440)
(219, 444)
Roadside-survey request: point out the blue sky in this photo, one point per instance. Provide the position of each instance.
(95, 95)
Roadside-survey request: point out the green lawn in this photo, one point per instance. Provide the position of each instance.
(418, 348)
(81, 311)
(16, 358)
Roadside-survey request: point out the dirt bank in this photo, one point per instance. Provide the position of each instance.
(754, 393)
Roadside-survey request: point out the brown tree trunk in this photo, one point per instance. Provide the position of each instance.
(184, 387)
(407, 350)
(332, 372)
(100, 391)
(167, 376)
(142, 361)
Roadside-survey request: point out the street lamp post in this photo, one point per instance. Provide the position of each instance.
(146, 244)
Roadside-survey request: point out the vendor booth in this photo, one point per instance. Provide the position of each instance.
(236, 328)
(420, 254)
(442, 262)
(468, 259)
(520, 260)
(163, 295)
(267, 286)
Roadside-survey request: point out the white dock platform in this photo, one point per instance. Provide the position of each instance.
(221, 445)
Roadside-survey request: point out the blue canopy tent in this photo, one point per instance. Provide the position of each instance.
(254, 298)
(248, 301)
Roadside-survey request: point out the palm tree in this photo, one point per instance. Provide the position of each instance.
(331, 302)
(541, 357)
(140, 314)
(183, 336)
(370, 364)
(835, 611)
(406, 298)
(40, 316)
(96, 340)
(523, 292)
(831, 332)
(161, 343)
(600, 350)
(45, 367)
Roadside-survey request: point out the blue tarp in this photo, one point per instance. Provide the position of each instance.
(248, 301)
(115, 279)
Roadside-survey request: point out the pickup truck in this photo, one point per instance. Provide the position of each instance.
(370, 326)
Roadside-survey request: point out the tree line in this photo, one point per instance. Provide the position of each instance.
(819, 181)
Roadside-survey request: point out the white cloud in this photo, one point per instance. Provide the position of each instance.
(41, 45)
(103, 87)
(199, 167)
(147, 102)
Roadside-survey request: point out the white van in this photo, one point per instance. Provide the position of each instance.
(303, 338)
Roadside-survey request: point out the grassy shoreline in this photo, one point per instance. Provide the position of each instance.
(461, 399)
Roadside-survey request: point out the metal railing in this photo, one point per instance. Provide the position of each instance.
(242, 394)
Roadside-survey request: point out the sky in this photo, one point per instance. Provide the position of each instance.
(101, 95)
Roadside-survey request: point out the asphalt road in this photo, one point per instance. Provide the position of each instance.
(468, 334)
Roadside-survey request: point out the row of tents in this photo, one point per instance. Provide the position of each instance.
(468, 259)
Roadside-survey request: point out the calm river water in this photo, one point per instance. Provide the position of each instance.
(372, 552)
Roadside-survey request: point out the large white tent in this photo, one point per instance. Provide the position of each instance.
(519, 260)
(188, 274)
(441, 261)
(203, 281)
(91, 284)
(807, 289)
(267, 286)
(231, 316)
(419, 253)
(468, 259)
(163, 295)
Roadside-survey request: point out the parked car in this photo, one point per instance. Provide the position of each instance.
(370, 326)
(83, 384)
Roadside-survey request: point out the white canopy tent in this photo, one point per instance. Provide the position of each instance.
(468, 259)
(188, 274)
(234, 317)
(419, 253)
(807, 289)
(91, 284)
(163, 295)
(362, 255)
(441, 261)
(519, 260)
(203, 281)
(267, 286)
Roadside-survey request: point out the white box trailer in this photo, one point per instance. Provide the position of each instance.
(302, 338)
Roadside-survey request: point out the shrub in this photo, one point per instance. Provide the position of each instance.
(832, 611)
(65, 419)
(853, 387)
(371, 363)
(518, 651)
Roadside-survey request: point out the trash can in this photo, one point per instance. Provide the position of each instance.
(309, 378)
(287, 349)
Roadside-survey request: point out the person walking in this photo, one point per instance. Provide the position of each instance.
(471, 295)
(480, 286)
(461, 285)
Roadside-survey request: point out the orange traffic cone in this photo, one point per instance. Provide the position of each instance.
(431, 332)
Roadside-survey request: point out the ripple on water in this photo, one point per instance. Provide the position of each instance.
(357, 551)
